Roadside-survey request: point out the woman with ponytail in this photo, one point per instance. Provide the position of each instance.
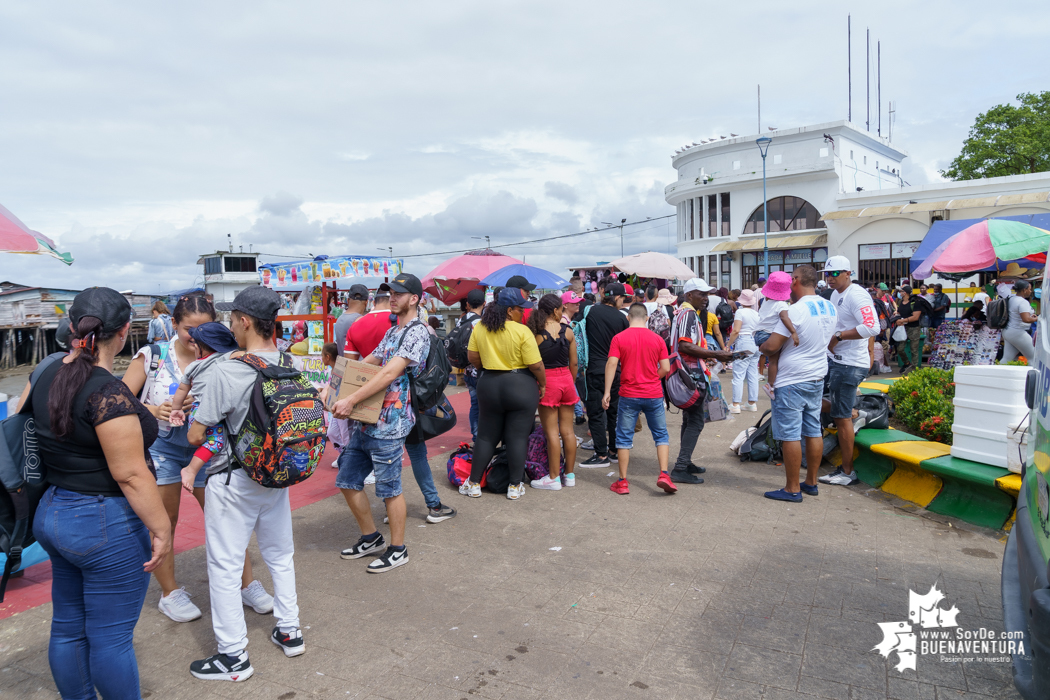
(101, 520)
(510, 384)
(557, 347)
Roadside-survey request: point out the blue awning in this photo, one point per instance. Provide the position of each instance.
(943, 230)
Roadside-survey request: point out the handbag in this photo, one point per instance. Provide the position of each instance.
(433, 422)
(899, 334)
(715, 406)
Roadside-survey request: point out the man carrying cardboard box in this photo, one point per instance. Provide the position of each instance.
(379, 446)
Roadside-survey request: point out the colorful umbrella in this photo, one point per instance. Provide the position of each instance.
(539, 277)
(453, 279)
(16, 237)
(988, 243)
(656, 265)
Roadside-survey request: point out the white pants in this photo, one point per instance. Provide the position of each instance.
(231, 513)
(746, 370)
(1017, 342)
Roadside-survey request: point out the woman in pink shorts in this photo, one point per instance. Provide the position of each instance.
(558, 350)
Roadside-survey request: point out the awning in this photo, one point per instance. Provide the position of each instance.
(1030, 198)
(972, 203)
(1004, 200)
(924, 207)
(810, 241)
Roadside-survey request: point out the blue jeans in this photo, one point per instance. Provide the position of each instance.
(366, 454)
(627, 416)
(842, 382)
(97, 546)
(417, 454)
(472, 389)
(171, 453)
(796, 411)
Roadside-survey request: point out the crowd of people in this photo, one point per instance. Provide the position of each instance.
(118, 452)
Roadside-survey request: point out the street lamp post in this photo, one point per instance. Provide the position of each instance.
(763, 148)
(622, 222)
(389, 249)
(486, 240)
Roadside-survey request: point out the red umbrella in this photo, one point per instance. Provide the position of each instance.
(16, 237)
(453, 279)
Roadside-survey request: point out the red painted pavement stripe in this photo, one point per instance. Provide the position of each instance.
(34, 588)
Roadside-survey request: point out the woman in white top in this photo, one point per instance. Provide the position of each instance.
(744, 325)
(1016, 339)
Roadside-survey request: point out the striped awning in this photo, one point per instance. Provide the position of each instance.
(810, 241)
(1004, 200)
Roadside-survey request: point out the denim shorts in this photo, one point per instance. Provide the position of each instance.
(365, 454)
(841, 383)
(796, 411)
(170, 454)
(761, 337)
(627, 416)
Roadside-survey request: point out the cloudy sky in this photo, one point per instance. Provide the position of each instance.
(140, 135)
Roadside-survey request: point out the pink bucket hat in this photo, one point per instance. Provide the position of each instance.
(778, 287)
(747, 298)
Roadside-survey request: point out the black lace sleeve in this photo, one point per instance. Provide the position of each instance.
(113, 400)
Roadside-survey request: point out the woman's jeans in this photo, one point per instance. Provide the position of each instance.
(746, 369)
(97, 546)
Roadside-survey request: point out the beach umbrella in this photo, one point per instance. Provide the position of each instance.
(537, 276)
(453, 279)
(656, 265)
(989, 243)
(16, 237)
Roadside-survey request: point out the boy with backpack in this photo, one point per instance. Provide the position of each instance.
(239, 500)
(379, 447)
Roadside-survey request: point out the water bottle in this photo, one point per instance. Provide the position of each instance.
(163, 426)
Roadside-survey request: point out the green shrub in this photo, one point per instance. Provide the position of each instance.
(923, 402)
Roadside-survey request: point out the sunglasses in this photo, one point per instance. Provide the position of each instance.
(835, 274)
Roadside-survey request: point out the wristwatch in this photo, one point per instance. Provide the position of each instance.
(838, 336)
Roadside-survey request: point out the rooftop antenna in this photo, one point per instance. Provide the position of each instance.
(867, 77)
(849, 67)
(892, 113)
(229, 239)
(878, 83)
(760, 109)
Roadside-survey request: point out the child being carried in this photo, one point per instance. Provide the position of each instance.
(212, 341)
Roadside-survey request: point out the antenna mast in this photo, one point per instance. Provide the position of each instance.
(879, 84)
(867, 80)
(759, 110)
(849, 66)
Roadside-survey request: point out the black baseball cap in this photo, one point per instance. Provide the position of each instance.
(520, 282)
(384, 290)
(476, 297)
(615, 289)
(358, 292)
(107, 305)
(215, 335)
(63, 332)
(407, 284)
(257, 302)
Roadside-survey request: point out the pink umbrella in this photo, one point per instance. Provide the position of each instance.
(453, 279)
(16, 237)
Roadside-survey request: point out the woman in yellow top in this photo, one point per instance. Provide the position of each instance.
(510, 383)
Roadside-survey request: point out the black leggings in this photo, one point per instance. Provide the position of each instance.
(507, 404)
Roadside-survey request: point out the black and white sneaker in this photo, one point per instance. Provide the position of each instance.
(390, 559)
(291, 644)
(440, 514)
(595, 461)
(223, 668)
(363, 548)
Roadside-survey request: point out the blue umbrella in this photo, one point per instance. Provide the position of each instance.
(541, 278)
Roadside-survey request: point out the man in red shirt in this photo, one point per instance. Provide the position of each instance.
(642, 356)
(366, 332)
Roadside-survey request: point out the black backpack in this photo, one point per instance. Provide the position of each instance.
(760, 445)
(434, 414)
(456, 342)
(497, 474)
(998, 313)
(724, 312)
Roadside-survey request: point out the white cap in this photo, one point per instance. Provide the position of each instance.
(697, 284)
(838, 263)
(822, 283)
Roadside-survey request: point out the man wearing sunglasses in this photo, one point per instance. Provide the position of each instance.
(848, 359)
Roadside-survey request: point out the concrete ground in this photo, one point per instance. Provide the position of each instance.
(714, 592)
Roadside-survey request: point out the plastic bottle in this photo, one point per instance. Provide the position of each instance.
(163, 426)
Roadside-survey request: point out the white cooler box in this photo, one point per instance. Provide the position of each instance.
(989, 400)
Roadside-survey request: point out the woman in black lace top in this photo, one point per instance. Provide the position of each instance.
(94, 437)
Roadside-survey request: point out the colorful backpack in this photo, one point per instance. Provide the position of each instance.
(460, 463)
(679, 387)
(537, 465)
(283, 435)
(661, 325)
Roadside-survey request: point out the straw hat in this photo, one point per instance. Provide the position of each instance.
(747, 298)
(665, 298)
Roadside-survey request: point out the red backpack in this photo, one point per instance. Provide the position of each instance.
(459, 464)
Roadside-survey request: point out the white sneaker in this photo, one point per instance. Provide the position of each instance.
(256, 598)
(516, 492)
(335, 463)
(547, 482)
(734, 408)
(370, 479)
(467, 488)
(753, 407)
(843, 479)
(178, 606)
(860, 421)
(568, 480)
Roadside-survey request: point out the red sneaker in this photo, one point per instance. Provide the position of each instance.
(620, 487)
(664, 482)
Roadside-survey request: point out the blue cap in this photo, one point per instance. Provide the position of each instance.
(513, 296)
(216, 336)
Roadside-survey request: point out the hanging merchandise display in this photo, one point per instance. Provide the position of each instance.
(299, 273)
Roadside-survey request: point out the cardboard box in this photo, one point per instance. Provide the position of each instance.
(347, 377)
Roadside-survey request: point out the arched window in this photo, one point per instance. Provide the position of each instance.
(785, 214)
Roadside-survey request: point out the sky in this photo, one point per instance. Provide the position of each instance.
(139, 135)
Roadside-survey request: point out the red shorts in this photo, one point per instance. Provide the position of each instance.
(561, 391)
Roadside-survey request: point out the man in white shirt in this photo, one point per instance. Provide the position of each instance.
(848, 358)
(800, 382)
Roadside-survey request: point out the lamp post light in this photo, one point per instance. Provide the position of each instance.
(486, 240)
(622, 222)
(389, 249)
(763, 148)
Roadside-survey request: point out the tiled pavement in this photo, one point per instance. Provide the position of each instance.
(714, 592)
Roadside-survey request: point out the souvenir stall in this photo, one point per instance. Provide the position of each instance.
(308, 290)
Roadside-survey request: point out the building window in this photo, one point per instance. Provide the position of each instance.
(212, 266)
(725, 213)
(752, 266)
(727, 275)
(885, 262)
(236, 264)
(712, 270)
(785, 214)
(712, 215)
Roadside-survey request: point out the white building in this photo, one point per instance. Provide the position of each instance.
(832, 189)
(226, 273)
